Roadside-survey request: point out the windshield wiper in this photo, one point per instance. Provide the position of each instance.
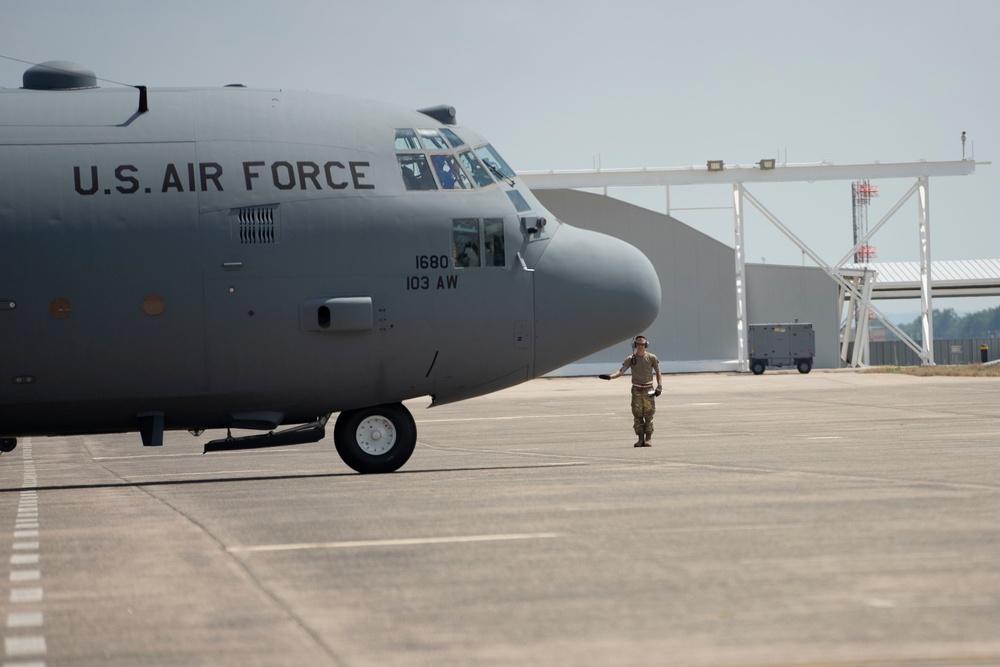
(500, 174)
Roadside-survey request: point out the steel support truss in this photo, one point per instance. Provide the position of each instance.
(855, 285)
(855, 289)
(854, 346)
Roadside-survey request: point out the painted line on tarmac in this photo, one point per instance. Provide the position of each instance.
(403, 542)
(24, 643)
(515, 417)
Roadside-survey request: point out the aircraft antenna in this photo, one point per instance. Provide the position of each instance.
(47, 77)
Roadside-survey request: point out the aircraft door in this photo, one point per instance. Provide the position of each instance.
(491, 315)
(251, 315)
(510, 296)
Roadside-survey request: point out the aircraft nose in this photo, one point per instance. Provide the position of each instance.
(591, 291)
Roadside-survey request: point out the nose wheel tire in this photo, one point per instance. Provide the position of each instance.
(376, 439)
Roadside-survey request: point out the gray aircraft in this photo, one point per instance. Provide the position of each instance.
(191, 259)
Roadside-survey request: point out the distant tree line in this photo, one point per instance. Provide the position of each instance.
(947, 324)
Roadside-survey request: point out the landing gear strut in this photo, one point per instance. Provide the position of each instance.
(376, 439)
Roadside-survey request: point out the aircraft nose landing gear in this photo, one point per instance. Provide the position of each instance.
(7, 445)
(376, 439)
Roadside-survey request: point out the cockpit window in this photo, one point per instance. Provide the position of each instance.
(432, 140)
(494, 162)
(416, 172)
(517, 199)
(452, 138)
(418, 150)
(465, 242)
(493, 242)
(406, 140)
(478, 243)
(449, 173)
(475, 168)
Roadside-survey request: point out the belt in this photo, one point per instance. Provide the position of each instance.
(642, 386)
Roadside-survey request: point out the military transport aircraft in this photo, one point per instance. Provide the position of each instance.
(235, 258)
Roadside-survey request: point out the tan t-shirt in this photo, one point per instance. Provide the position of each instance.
(644, 369)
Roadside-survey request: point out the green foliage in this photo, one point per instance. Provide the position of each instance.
(983, 324)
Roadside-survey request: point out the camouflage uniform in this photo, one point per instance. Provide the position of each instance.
(643, 409)
(644, 368)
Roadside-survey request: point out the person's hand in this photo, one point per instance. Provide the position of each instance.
(659, 390)
(604, 377)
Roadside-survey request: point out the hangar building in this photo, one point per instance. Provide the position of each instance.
(711, 295)
(695, 329)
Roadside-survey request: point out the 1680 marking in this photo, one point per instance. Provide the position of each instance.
(431, 261)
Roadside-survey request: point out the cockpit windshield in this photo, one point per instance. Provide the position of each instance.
(416, 173)
(449, 173)
(475, 168)
(424, 153)
(406, 140)
(452, 138)
(493, 160)
(432, 140)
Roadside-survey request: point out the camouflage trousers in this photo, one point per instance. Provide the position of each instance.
(643, 409)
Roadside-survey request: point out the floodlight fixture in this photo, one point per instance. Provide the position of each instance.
(767, 163)
(715, 165)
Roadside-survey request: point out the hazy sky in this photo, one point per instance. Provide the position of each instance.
(568, 84)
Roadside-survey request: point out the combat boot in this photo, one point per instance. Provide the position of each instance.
(648, 440)
(639, 442)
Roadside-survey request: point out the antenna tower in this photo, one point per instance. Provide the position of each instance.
(861, 195)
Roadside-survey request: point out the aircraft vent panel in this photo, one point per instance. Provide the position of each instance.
(257, 225)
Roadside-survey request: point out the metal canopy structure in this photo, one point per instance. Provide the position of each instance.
(952, 278)
(856, 282)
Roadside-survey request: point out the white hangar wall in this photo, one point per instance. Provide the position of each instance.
(782, 294)
(696, 328)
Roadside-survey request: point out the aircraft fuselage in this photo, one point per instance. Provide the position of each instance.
(247, 258)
